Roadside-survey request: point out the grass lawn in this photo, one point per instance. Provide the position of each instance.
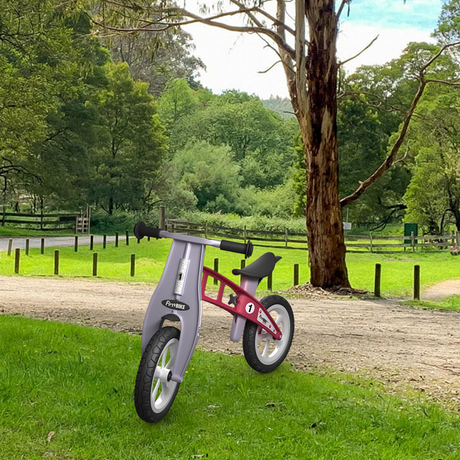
(10, 232)
(114, 263)
(449, 303)
(77, 383)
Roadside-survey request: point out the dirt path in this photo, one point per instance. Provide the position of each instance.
(398, 345)
(442, 290)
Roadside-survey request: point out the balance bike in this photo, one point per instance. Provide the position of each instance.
(267, 326)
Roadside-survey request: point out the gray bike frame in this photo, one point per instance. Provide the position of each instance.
(181, 284)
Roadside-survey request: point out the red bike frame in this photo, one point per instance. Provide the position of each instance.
(247, 306)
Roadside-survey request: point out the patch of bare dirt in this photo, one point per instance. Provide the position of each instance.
(441, 290)
(399, 345)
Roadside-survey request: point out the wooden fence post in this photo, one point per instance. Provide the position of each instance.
(10, 246)
(42, 246)
(370, 246)
(91, 242)
(458, 238)
(377, 280)
(127, 238)
(116, 239)
(104, 242)
(133, 264)
(296, 274)
(270, 282)
(417, 282)
(27, 246)
(244, 234)
(216, 269)
(56, 262)
(76, 244)
(17, 255)
(94, 263)
(412, 241)
(286, 238)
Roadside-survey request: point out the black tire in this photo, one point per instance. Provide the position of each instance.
(145, 377)
(250, 345)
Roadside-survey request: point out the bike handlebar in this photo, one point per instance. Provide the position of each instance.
(141, 230)
(239, 248)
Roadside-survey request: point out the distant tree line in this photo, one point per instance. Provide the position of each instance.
(122, 123)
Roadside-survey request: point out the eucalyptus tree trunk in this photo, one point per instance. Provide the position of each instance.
(317, 116)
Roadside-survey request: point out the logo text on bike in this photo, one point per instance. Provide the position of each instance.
(175, 305)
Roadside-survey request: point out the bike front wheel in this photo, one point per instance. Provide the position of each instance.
(262, 352)
(155, 392)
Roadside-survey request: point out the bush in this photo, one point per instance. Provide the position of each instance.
(101, 222)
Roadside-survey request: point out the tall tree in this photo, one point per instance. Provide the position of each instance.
(131, 142)
(311, 69)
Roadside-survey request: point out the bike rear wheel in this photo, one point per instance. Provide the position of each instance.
(155, 392)
(262, 352)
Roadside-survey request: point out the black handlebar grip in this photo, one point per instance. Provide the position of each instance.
(141, 230)
(239, 248)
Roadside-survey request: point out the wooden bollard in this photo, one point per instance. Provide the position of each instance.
(127, 238)
(94, 263)
(377, 280)
(270, 282)
(216, 269)
(296, 274)
(42, 246)
(104, 242)
(91, 242)
(116, 239)
(76, 244)
(133, 264)
(27, 246)
(10, 246)
(416, 282)
(56, 262)
(17, 255)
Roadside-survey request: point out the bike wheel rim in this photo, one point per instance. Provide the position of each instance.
(162, 391)
(269, 350)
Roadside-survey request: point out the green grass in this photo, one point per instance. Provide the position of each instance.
(114, 264)
(11, 232)
(449, 303)
(78, 383)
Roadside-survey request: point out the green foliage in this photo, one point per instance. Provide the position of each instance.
(211, 174)
(178, 101)
(130, 142)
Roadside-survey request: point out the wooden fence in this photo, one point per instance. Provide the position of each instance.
(292, 240)
(47, 222)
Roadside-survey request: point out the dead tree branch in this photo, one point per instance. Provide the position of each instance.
(390, 160)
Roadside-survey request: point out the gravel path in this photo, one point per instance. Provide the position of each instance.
(53, 241)
(399, 345)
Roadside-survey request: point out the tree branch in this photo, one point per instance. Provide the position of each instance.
(359, 54)
(341, 7)
(389, 161)
(194, 18)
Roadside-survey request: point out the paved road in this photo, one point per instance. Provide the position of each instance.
(54, 241)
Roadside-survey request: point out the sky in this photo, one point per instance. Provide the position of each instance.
(235, 60)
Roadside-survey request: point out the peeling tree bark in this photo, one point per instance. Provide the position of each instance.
(318, 125)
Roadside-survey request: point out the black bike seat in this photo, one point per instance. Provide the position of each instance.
(260, 268)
